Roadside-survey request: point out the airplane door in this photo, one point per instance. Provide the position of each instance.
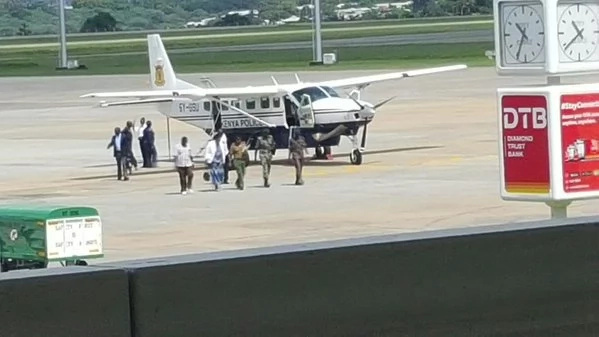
(217, 115)
(305, 113)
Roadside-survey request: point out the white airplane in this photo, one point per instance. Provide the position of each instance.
(315, 110)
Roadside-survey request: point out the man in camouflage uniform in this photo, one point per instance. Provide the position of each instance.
(297, 147)
(266, 145)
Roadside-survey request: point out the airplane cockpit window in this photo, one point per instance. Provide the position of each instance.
(225, 107)
(330, 91)
(264, 102)
(315, 94)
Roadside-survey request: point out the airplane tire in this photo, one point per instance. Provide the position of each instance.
(355, 157)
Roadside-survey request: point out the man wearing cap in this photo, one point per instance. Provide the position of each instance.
(297, 148)
(266, 145)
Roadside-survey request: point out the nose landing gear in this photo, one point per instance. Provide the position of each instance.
(355, 157)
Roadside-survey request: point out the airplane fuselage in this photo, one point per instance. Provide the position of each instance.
(318, 113)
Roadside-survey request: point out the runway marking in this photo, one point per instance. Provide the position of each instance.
(348, 170)
(436, 161)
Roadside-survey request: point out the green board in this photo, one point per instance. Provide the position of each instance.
(23, 229)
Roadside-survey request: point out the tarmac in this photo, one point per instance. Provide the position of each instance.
(431, 164)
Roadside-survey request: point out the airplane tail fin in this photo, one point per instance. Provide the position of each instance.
(162, 74)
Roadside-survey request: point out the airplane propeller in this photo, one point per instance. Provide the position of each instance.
(319, 137)
(380, 104)
(364, 136)
(356, 101)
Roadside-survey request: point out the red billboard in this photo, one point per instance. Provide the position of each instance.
(580, 142)
(525, 144)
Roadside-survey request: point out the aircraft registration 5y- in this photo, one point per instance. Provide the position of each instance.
(316, 110)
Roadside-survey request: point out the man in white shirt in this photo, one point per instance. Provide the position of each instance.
(184, 164)
(215, 156)
(140, 136)
(227, 163)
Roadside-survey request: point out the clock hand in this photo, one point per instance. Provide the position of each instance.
(578, 34)
(578, 31)
(519, 48)
(522, 31)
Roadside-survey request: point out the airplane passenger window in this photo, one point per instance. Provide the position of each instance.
(224, 107)
(330, 91)
(315, 94)
(264, 102)
(237, 104)
(250, 103)
(207, 106)
(276, 102)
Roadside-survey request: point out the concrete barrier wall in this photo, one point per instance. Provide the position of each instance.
(65, 302)
(536, 279)
(540, 281)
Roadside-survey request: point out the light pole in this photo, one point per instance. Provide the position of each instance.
(63, 35)
(317, 43)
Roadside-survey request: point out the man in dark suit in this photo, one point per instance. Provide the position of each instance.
(116, 143)
(127, 146)
(150, 148)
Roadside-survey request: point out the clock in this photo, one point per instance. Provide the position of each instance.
(578, 32)
(522, 34)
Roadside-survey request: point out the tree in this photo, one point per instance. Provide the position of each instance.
(16, 8)
(23, 30)
(101, 22)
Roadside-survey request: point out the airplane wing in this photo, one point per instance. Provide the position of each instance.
(244, 91)
(192, 93)
(366, 80)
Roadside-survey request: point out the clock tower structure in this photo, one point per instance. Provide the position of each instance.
(548, 134)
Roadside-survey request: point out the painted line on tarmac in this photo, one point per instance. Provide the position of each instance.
(347, 170)
(216, 36)
(436, 161)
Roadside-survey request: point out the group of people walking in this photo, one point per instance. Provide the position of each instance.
(122, 147)
(219, 157)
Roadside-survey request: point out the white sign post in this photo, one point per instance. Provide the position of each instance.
(547, 149)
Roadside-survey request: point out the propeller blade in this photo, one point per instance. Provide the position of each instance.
(358, 103)
(364, 135)
(380, 104)
(354, 94)
(336, 132)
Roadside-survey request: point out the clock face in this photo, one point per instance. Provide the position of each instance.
(523, 34)
(578, 32)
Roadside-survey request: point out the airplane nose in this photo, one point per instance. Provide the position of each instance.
(367, 112)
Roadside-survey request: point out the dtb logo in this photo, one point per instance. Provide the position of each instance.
(525, 118)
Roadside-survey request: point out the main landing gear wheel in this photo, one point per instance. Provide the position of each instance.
(355, 157)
